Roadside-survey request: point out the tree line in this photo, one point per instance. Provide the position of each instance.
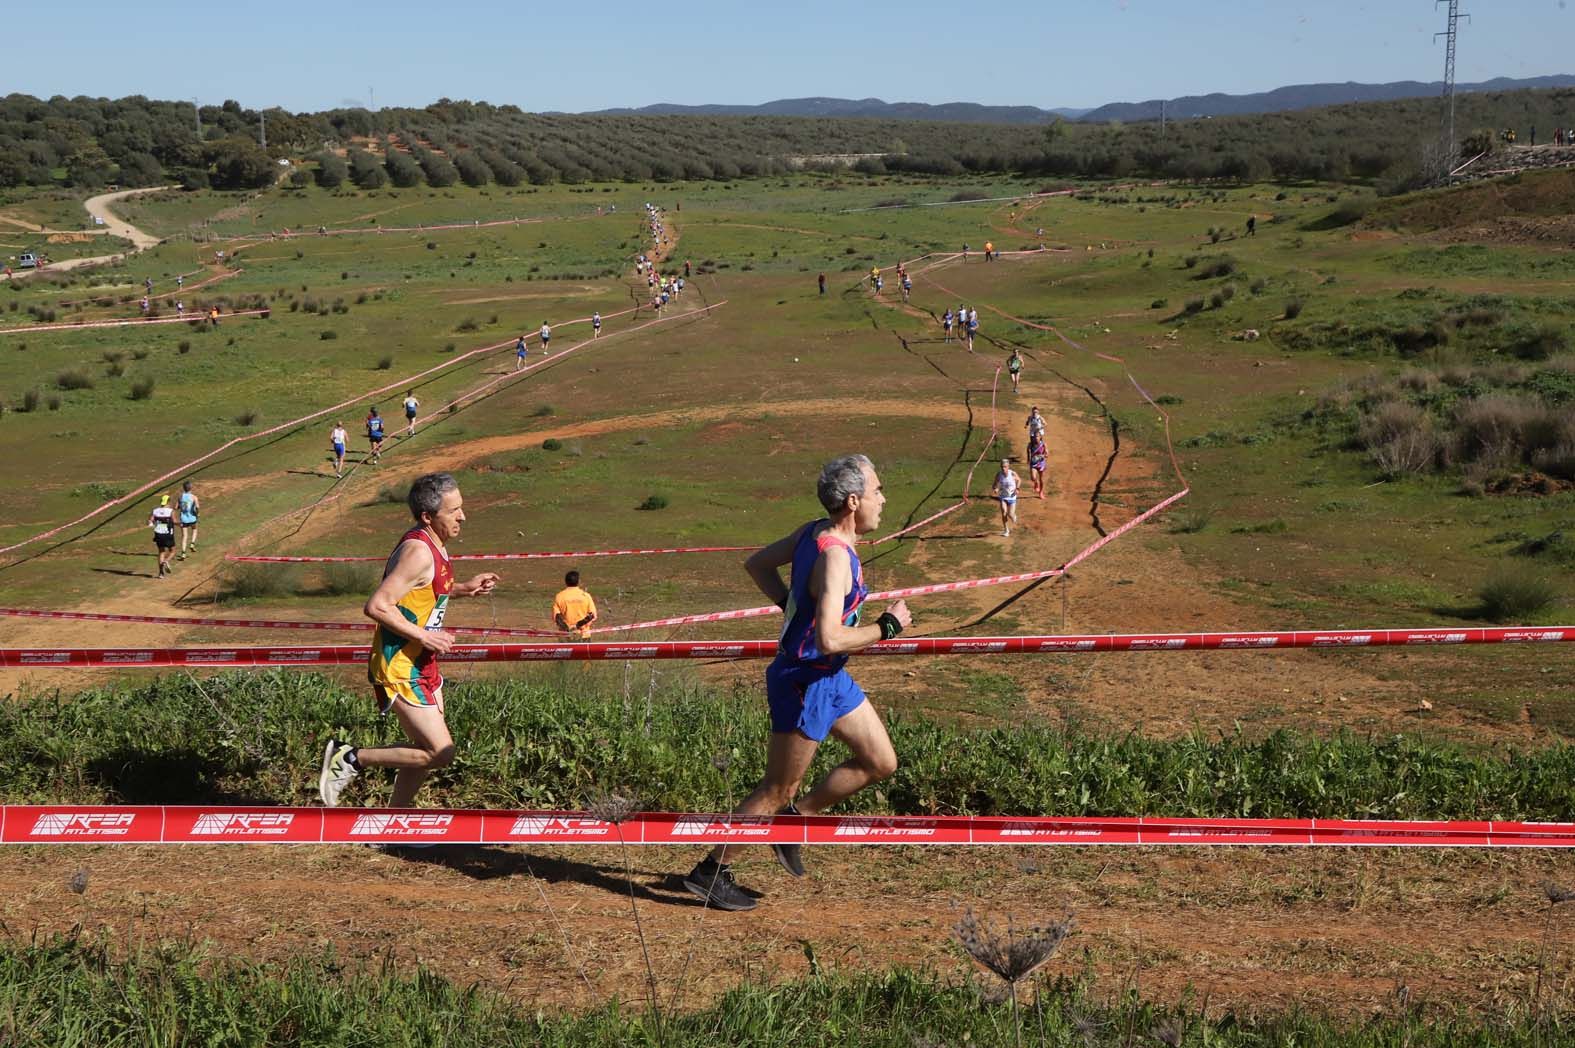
(136, 141)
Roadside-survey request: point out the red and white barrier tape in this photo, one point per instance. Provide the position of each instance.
(915, 591)
(254, 624)
(346, 655)
(219, 824)
(189, 318)
(572, 554)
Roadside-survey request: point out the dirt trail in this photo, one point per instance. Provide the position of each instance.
(98, 207)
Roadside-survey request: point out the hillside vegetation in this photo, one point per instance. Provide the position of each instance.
(135, 141)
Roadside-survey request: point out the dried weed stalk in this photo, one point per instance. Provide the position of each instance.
(1014, 955)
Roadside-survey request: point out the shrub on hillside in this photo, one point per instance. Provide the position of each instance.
(142, 389)
(74, 379)
(253, 581)
(1514, 593)
(1293, 308)
(331, 170)
(366, 170)
(472, 169)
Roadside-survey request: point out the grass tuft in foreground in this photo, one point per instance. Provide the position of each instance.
(66, 993)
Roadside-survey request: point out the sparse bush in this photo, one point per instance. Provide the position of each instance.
(245, 418)
(53, 402)
(551, 444)
(653, 502)
(184, 347)
(1190, 521)
(139, 354)
(74, 380)
(142, 389)
(467, 325)
(385, 362)
(1191, 261)
(1228, 292)
(1515, 593)
(113, 356)
(542, 410)
(29, 401)
(327, 335)
(1293, 308)
(1541, 344)
(1159, 303)
(341, 580)
(254, 581)
(1217, 300)
(1257, 286)
(1193, 305)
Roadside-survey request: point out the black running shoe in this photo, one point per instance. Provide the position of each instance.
(791, 856)
(714, 883)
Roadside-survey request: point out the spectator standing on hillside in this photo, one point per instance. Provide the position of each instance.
(188, 506)
(411, 404)
(162, 521)
(686, 268)
(409, 607)
(823, 283)
(1252, 225)
(989, 251)
(573, 609)
(374, 435)
(339, 438)
(808, 691)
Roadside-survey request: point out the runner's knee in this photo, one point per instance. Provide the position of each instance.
(440, 758)
(881, 765)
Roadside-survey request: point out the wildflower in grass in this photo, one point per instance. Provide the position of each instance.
(612, 807)
(1017, 954)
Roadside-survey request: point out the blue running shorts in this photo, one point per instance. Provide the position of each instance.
(808, 700)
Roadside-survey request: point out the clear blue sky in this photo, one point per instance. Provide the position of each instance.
(591, 55)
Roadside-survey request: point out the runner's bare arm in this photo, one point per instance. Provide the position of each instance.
(830, 585)
(477, 586)
(765, 564)
(412, 568)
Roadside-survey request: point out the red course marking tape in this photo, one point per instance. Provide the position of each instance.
(344, 655)
(217, 824)
(507, 556)
(253, 624)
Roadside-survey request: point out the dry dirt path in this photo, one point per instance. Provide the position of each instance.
(99, 207)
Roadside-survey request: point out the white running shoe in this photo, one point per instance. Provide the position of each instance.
(337, 772)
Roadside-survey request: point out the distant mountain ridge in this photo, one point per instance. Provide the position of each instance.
(1281, 99)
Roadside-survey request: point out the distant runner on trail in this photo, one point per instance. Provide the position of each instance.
(596, 325)
(1005, 490)
(519, 353)
(1036, 427)
(162, 521)
(809, 693)
(339, 438)
(573, 609)
(1014, 367)
(408, 607)
(973, 327)
(907, 286)
(546, 335)
(374, 435)
(823, 283)
(946, 325)
(411, 404)
(188, 506)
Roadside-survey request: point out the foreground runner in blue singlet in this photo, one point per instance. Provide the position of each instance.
(809, 693)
